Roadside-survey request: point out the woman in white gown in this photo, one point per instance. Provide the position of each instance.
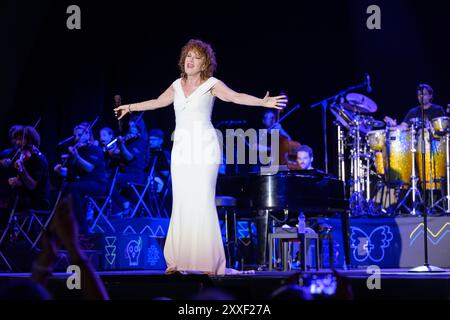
(194, 241)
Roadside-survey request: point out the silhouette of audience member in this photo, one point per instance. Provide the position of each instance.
(291, 292)
(213, 294)
(64, 231)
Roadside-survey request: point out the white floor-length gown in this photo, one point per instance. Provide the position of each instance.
(194, 240)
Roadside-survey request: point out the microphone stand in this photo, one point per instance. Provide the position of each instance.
(426, 267)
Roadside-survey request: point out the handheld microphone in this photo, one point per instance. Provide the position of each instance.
(368, 87)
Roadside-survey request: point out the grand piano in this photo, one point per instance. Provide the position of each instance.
(266, 192)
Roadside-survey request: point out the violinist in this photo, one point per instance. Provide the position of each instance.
(6, 165)
(132, 151)
(84, 171)
(111, 153)
(31, 184)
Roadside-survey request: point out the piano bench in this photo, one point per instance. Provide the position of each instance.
(286, 238)
(226, 204)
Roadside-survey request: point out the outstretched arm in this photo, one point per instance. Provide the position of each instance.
(165, 99)
(224, 93)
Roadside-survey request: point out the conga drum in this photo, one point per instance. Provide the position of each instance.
(397, 156)
(434, 159)
(375, 141)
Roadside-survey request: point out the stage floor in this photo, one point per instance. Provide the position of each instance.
(151, 284)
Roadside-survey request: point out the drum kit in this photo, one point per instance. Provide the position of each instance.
(386, 162)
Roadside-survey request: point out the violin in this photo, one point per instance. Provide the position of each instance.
(27, 152)
(127, 138)
(66, 157)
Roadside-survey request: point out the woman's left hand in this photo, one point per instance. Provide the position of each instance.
(278, 102)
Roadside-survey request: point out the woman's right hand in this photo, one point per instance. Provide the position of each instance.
(121, 111)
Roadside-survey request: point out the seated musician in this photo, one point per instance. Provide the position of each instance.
(7, 166)
(31, 184)
(111, 153)
(304, 159)
(84, 171)
(431, 111)
(132, 152)
(162, 162)
(158, 158)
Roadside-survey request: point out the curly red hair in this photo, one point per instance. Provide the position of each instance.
(205, 50)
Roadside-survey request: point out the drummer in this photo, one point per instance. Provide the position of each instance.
(425, 97)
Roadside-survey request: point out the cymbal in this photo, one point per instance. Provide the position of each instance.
(378, 124)
(371, 122)
(359, 103)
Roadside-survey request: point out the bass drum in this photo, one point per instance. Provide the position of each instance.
(434, 160)
(397, 157)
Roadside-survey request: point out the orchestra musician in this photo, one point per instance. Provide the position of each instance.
(111, 153)
(157, 155)
(30, 185)
(84, 171)
(6, 166)
(131, 150)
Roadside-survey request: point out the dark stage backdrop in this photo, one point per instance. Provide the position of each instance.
(309, 49)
